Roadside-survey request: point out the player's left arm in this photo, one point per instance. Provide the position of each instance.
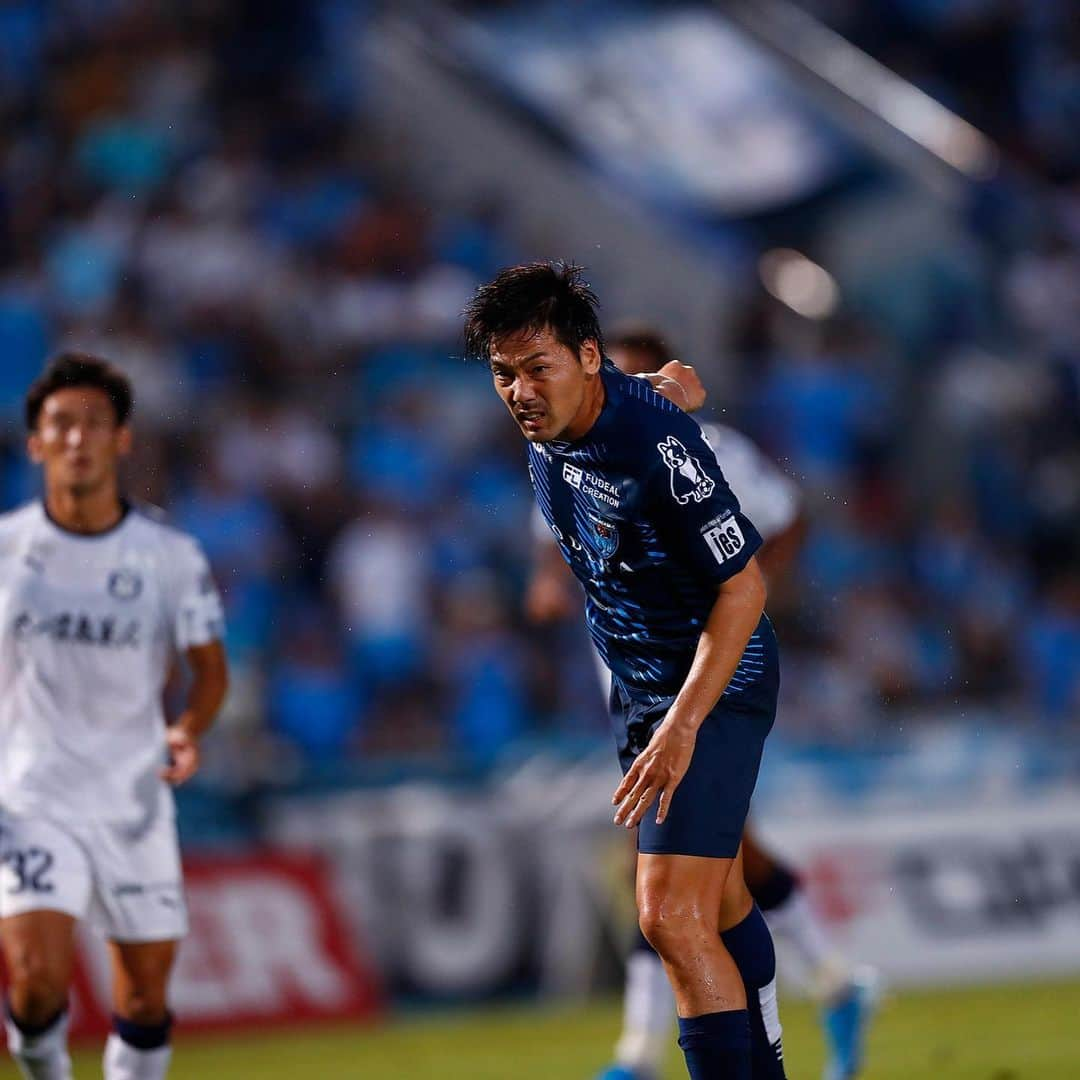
(209, 682)
(198, 630)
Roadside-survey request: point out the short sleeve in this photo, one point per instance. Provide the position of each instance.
(692, 507)
(198, 616)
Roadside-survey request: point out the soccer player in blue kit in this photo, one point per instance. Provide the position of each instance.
(675, 604)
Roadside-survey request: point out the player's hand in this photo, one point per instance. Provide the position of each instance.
(693, 389)
(657, 771)
(183, 755)
(549, 599)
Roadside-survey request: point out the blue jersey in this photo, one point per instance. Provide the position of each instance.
(646, 521)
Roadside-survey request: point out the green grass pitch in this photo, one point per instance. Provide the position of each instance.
(1016, 1032)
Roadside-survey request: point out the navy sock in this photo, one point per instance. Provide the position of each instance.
(143, 1036)
(32, 1031)
(716, 1046)
(751, 947)
(775, 889)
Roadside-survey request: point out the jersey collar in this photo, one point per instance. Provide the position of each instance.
(125, 510)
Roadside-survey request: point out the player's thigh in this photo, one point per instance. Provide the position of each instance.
(140, 978)
(678, 887)
(43, 867)
(39, 950)
(138, 883)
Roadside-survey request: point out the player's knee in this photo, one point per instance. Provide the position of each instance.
(37, 988)
(672, 929)
(143, 1005)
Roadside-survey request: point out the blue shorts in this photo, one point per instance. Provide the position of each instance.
(708, 812)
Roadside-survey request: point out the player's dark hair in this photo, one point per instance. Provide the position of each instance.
(72, 369)
(641, 337)
(527, 299)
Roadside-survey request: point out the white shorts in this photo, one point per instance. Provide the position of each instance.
(129, 886)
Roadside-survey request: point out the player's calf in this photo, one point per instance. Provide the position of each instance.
(139, 1047)
(39, 953)
(678, 901)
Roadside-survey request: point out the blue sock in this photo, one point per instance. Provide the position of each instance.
(143, 1036)
(716, 1045)
(775, 889)
(751, 947)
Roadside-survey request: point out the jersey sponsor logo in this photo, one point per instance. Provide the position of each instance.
(688, 479)
(124, 584)
(591, 484)
(725, 540)
(603, 537)
(79, 628)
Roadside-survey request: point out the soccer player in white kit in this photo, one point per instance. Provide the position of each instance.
(97, 599)
(771, 500)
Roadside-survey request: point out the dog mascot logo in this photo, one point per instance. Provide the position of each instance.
(688, 479)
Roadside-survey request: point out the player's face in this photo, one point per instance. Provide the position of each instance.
(550, 390)
(78, 441)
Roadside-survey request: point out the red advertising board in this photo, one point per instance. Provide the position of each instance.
(268, 946)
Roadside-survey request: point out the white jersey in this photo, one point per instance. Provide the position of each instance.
(89, 626)
(767, 496)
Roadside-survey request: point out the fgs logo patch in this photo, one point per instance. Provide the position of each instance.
(688, 479)
(725, 540)
(572, 475)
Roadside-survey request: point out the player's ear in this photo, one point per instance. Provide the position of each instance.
(34, 449)
(590, 356)
(123, 440)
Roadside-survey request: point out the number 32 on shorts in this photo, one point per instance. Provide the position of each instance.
(30, 870)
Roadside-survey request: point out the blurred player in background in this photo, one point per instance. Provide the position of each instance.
(96, 600)
(675, 604)
(771, 501)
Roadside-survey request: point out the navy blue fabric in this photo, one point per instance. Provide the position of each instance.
(750, 945)
(143, 1036)
(717, 1045)
(647, 522)
(776, 889)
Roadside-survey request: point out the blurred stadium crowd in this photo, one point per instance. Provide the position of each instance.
(194, 191)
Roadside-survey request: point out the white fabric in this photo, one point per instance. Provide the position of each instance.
(124, 1062)
(43, 1057)
(126, 882)
(767, 496)
(88, 629)
(648, 1014)
(770, 1016)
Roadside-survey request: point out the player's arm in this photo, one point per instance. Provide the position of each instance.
(679, 383)
(209, 682)
(550, 595)
(779, 551)
(660, 767)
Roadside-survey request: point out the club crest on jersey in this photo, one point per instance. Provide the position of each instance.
(688, 479)
(603, 537)
(124, 584)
